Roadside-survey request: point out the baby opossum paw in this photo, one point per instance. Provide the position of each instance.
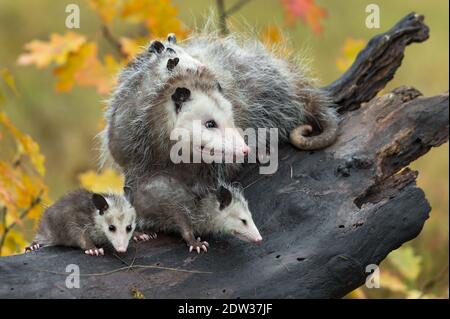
(198, 245)
(34, 246)
(95, 252)
(143, 236)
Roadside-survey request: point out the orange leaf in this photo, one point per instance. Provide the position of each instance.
(159, 16)
(56, 50)
(84, 68)
(106, 9)
(305, 10)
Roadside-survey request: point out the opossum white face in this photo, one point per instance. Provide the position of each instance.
(116, 218)
(235, 217)
(208, 116)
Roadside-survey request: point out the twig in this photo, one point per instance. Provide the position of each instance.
(236, 7)
(112, 40)
(222, 17)
(125, 268)
(225, 14)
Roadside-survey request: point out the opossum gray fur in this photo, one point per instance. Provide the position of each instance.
(263, 90)
(164, 204)
(88, 221)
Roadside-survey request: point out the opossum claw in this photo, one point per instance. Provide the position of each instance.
(198, 250)
(34, 246)
(156, 47)
(191, 248)
(171, 38)
(204, 248)
(95, 252)
(172, 63)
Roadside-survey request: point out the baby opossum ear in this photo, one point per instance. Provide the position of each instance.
(224, 197)
(172, 63)
(181, 95)
(128, 194)
(156, 47)
(100, 203)
(171, 38)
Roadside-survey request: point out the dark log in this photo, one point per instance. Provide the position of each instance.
(376, 64)
(324, 215)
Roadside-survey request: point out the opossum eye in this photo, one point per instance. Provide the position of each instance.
(129, 228)
(112, 228)
(244, 222)
(211, 124)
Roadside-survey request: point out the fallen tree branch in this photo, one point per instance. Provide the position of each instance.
(324, 216)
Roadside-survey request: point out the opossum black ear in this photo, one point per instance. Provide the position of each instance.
(172, 63)
(181, 95)
(156, 47)
(100, 203)
(128, 194)
(224, 197)
(172, 38)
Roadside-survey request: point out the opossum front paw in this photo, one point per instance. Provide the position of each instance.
(34, 246)
(198, 245)
(143, 236)
(95, 252)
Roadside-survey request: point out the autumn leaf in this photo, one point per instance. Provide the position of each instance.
(25, 144)
(56, 50)
(137, 294)
(107, 181)
(159, 17)
(349, 52)
(106, 9)
(132, 47)
(406, 262)
(84, 68)
(271, 35)
(305, 10)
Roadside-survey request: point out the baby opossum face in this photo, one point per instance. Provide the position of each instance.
(235, 217)
(208, 116)
(116, 218)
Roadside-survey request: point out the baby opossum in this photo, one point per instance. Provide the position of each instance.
(224, 84)
(88, 220)
(165, 204)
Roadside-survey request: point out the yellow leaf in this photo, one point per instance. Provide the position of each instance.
(25, 144)
(132, 47)
(159, 16)
(56, 50)
(84, 68)
(107, 181)
(15, 243)
(106, 9)
(406, 262)
(272, 35)
(10, 81)
(349, 52)
(137, 294)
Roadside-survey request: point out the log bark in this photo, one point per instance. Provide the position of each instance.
(325, 215)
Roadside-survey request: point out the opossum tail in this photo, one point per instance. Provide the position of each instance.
(329, 123)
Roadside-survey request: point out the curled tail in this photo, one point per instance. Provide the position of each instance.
(329, 123)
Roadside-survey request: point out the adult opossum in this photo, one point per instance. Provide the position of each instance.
(221, 82)
(164, 204)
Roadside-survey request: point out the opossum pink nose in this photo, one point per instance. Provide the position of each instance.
(258, 240)
(121, 250)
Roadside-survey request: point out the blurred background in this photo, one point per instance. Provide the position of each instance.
(55, 82)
